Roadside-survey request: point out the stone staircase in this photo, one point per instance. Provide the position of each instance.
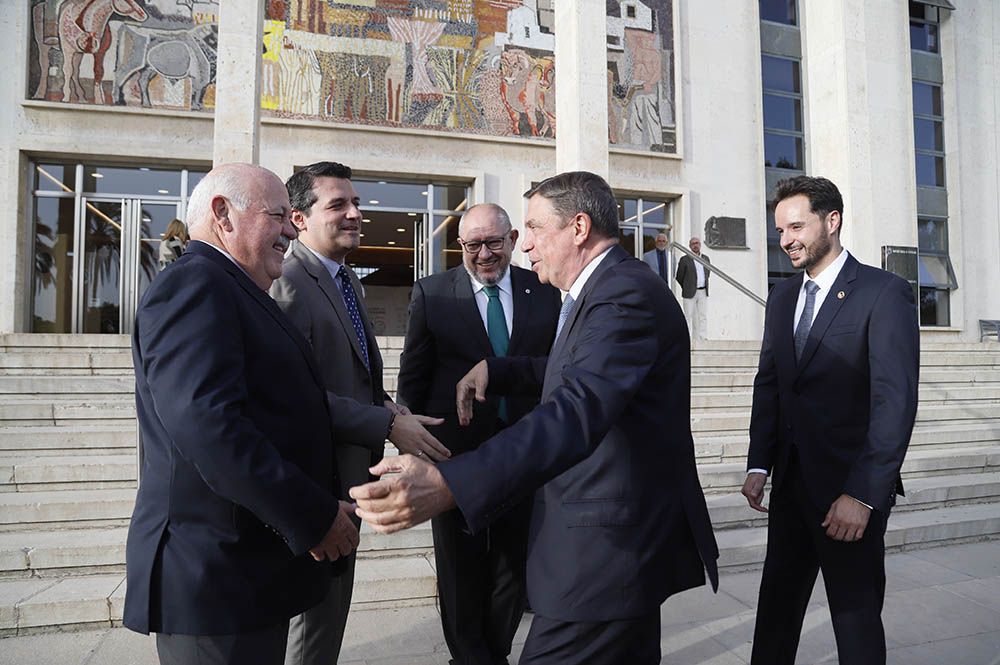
(68, 473)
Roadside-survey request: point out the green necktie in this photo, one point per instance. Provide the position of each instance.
(496, 329)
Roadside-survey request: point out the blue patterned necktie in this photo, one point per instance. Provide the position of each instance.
(351, 300)
(567, 307)
(496, 330)
(806, 319)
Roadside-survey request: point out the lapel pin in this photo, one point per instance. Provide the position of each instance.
(841, 295)
(527, 290)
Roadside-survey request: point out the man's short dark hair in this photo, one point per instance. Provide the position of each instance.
(300, 185)
(823, 195)
(581, 191)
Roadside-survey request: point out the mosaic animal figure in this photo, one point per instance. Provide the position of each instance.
(528, 89)
(173, 54)
(83, 28)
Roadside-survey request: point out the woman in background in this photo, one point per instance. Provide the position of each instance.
(175, 239)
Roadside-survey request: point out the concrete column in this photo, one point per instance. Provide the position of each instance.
(582, 92)
(237, 87)
(859, 130)
(15, 253)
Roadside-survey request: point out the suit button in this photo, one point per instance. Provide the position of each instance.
(788, 427)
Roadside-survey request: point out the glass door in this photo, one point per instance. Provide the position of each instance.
(103, 226)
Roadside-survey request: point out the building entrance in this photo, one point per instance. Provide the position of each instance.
(96, 237)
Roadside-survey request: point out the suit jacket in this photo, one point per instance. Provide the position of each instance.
(687, 276)
(654, 263)
(619, 520)
(309, 297)
(446, 337)
(849, 403)
(238, 476)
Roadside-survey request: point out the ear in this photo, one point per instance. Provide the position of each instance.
(220, 212)
(582, 225)
(833, 222)
(513, 237)
(298, 221)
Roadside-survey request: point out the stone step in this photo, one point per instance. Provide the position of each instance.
(729, 476)
(35, 386)
(928, 436)
(51, 604)
(47, 361)
(906, 531)
(736, 398)
(12, 342)
(61, 508)
(63, 472)
(59, 440)
(730, 510)
(706, 422)
(64, 412)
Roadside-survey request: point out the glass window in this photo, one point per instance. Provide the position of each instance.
(932, 234)
(782, 113)
(626, 236)
(52, 306)
(926, 99)
(934, 307)
(55, 178)
(194, 177)
(391, 194)
(923, 37)
(450, 197)
(780, 74)
(778, 11)
(627, 211)
(131, 181)
(935, 270)
(649, 235)
(930, 170)
(654, 213)
(782, 151)
(929, 134)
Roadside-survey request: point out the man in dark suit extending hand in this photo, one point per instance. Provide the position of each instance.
(833, 407)
(482, 308)
(239, 483)
(322, 296)
(619, 521)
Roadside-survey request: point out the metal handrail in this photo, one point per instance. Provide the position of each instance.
(715, 270)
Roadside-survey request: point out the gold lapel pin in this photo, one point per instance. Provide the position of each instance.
(841, 295)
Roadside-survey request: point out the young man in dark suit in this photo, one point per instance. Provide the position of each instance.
(834, 402)
(485, 307)
(237, 510)
(323, 298)
(619, 521)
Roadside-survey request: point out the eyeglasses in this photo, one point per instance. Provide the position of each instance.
(492, 244)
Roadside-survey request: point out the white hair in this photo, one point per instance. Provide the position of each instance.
(230, 181)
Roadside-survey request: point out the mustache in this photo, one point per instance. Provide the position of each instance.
(283, 242)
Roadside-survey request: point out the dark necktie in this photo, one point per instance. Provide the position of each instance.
(351, 300)
(496, 329)
(806, 319)
(661, 260)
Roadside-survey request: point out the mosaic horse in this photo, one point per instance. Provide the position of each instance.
(83, 28)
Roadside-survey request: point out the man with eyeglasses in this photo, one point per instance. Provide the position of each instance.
(483, 308)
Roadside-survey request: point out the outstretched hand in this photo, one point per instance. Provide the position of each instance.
(472, 385)
(409, 434)
(414, 494)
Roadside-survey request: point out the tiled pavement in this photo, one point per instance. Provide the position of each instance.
(942, 607)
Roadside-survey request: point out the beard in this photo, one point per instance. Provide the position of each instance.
(487, 280)
(815, 253)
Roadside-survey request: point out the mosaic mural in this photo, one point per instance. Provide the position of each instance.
(146, 53)
(478, 66)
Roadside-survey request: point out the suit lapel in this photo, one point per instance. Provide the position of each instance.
(469, 311)
(323, 278)
(263, 299)
(522, 310)
(831, 306)
(614, 257)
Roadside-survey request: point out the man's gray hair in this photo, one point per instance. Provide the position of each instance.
(581, 191)
(231, 183)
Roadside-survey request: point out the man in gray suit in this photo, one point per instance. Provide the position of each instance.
(322, 296)
(693, 278)
(658, 259)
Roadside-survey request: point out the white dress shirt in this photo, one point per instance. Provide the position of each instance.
(588, 270)
(824, 281)
(700, 271)
(506, 299)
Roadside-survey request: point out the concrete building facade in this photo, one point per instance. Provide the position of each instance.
(691, 109)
